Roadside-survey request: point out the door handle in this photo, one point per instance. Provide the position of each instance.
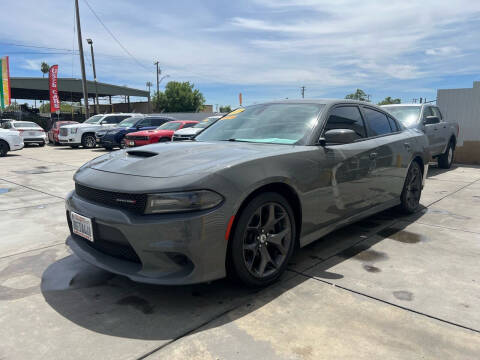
(373, 156)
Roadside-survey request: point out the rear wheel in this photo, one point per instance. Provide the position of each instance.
(263, 240)
(42, 144)
(74, 146)
(164, 140)
(445, 160)
(412, 189)
(88, 141)
(108, 148)
(3, 148)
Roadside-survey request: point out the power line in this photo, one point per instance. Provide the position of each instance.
(113, 36)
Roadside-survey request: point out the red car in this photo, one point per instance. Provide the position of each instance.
(161, 134)
(55, 130)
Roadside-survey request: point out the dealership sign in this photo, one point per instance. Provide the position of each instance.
(5, 96)
(53, 89)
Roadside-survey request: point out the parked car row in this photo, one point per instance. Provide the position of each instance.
(252, 187)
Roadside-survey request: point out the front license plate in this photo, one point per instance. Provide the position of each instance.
(82, 226)
(131, 143)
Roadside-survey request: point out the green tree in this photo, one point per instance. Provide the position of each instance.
(225, 108)
(44, 68)
(359, 94)
(388, 100)
(178, 97)
(64, 107)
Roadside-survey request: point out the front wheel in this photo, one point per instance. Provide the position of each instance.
(412, 189)
(42, 144)
(3, 148)
(88, 141)
(263, 240)
(445, 160)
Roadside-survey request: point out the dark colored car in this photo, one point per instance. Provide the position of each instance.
(115, 137)
(55, 130)
(245, 193)
(161, 134)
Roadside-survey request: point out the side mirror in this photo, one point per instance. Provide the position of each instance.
(431, 120)
(338, 136)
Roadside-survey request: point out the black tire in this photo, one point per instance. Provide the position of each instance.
(56, 143)
(163, 140)
(74, 146)
(109, 148)
(89, 141)
(412, 189)
(42, 144)
(4, 148)
(255, 258)
(445, 160)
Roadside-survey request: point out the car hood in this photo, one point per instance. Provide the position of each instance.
(152, 132)
(188, 131)
(73, 126)
(178, 158)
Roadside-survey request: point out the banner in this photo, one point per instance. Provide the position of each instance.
(5, 97)
(53, 89)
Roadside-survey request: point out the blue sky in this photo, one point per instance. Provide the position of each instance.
(266, 49)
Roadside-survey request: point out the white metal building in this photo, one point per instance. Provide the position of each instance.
(463, 106)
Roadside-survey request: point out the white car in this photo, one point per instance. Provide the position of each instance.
(30, 132)
(10, 140)
(190, 132)
(84, 134)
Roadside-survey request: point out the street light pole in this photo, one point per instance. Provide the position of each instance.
(82, 61)
(90, 41)
(158, 74)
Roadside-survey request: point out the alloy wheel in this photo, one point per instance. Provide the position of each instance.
(267, 240)
(90, 141)
(414, 187)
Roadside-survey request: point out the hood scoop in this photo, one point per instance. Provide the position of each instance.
(140, 153)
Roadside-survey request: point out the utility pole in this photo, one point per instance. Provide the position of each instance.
(149, 84)
(82, 61)
(90, 41)
(158, 74)
(303, 92)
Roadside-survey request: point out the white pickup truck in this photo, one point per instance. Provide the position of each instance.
(10, 140)
(84, 133)
(442, 135)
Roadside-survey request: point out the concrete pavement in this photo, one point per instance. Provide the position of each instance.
(386, 287)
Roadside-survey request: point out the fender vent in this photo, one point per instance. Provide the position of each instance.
(140, 153)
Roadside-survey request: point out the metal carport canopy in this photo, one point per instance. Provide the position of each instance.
(32, 88)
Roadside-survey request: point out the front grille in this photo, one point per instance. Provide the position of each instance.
(132, 202)
(137, 137)
(182, 137)
(63, 132)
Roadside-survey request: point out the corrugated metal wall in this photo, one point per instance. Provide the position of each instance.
(463, 106)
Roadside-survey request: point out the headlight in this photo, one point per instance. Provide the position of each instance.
(73, 130)
(182, 201)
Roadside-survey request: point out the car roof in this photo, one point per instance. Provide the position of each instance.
(325, 101)
(411, 104)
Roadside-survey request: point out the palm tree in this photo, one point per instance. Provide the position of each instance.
(44, 68)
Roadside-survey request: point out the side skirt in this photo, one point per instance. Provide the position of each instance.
(305, 240)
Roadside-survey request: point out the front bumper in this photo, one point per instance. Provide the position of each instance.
(17, 146)
(173, 249)
(69, 139)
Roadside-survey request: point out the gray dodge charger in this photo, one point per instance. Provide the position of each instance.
(240, 197)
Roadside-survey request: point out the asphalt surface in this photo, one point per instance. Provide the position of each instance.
(387, 287)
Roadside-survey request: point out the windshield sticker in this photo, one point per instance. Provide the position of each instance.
(233, 114)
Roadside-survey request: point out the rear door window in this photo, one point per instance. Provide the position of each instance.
(377, 122)
(346, 117)
(145, 123)
(436, 112)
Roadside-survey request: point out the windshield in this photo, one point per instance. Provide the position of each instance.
(204, 123)
(170, 126)
(129, 122)
(93, 119)
(25, 124)
(407, 115)
(266, 123)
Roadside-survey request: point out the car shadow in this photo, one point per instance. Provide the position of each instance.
(114, 305)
